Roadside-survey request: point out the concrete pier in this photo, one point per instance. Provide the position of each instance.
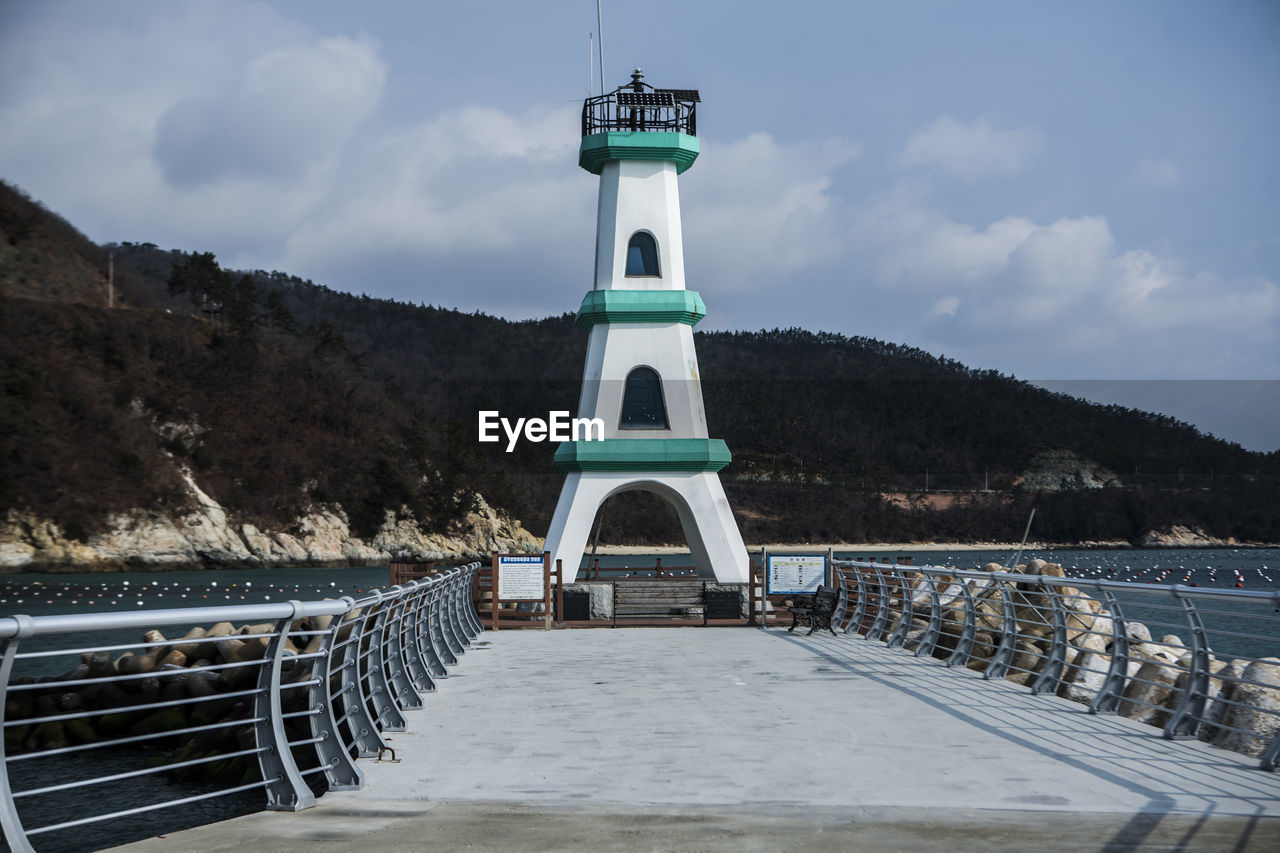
(741, 739)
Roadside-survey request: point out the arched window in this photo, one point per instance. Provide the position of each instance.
(642, 406)
(642, 255)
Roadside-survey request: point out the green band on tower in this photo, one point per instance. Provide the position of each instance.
(641, 306)
(643, 454)
(599, 148)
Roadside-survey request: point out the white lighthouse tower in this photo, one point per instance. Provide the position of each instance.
(641, 376)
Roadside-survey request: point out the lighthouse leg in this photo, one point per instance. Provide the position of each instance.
(580, 500)
(709, 527)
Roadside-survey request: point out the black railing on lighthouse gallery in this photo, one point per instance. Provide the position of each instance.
(638, 106)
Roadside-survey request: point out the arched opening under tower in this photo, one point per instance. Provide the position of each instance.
(646, 518)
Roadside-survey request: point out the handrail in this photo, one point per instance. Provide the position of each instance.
(66, 623)
(282, 705)
(1044, 631)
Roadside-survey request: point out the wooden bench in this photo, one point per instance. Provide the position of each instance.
(817, 612)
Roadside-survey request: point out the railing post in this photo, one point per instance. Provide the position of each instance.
(14, 833)
(375, 669)
(929, 639)
(882, 606)
(842, 581)
(1271, 756)
(355, 700)
(1186, 721)
(286, 789)
(411, 637)
(1003, 657)
(393, 652)
(860, 609)
(435, 649)
(842, 602)
(1051, 675)
(340, 768)
(422, 627)
(468, 601)
(452, 616)
(444, 615)
(906, 593)
(1107, 699)
(964, 645)
(458, 600)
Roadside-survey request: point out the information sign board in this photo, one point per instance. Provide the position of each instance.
(520, 578)
(795, 573)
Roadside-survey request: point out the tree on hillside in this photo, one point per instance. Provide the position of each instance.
(217, 291)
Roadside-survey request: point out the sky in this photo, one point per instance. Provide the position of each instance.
(1085, 194)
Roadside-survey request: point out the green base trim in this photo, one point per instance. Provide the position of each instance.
(643, 454)
(641, 306)
(599, 148)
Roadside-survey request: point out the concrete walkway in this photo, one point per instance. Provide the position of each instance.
(740, 739)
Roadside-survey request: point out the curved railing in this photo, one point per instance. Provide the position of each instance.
(1217, 679)
(640, 107)
(282, 705)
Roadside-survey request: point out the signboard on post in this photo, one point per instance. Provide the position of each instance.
(794, 574)
(521, 578)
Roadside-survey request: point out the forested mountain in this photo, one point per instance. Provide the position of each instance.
(96, 405)
(834, 438)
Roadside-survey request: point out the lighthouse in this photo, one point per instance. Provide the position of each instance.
(641, 376)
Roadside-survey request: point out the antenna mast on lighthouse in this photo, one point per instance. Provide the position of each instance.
(600, 32)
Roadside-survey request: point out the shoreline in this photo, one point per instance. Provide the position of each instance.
(615, 550)
(118, 567)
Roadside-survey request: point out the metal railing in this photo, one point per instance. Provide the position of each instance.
(637, 106)
(1218, 679)
(282, 706)
(602, 114)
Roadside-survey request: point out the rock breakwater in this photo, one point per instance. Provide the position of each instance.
(197, 682)
(1242, 704)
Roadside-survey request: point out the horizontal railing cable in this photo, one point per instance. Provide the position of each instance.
(306, 687)
(1214, 675)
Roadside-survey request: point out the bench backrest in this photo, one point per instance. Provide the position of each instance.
(824, 600)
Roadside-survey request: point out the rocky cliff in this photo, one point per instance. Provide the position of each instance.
(1178, 536)
(207, 536)
(1064, 470)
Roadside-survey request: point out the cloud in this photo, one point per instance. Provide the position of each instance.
(475, 178)
(757, 210)
(289, 110)
(1156, 174)
(970, 151)
(945, 307)
(908, 242)
(1060, 299)
(90, 104)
